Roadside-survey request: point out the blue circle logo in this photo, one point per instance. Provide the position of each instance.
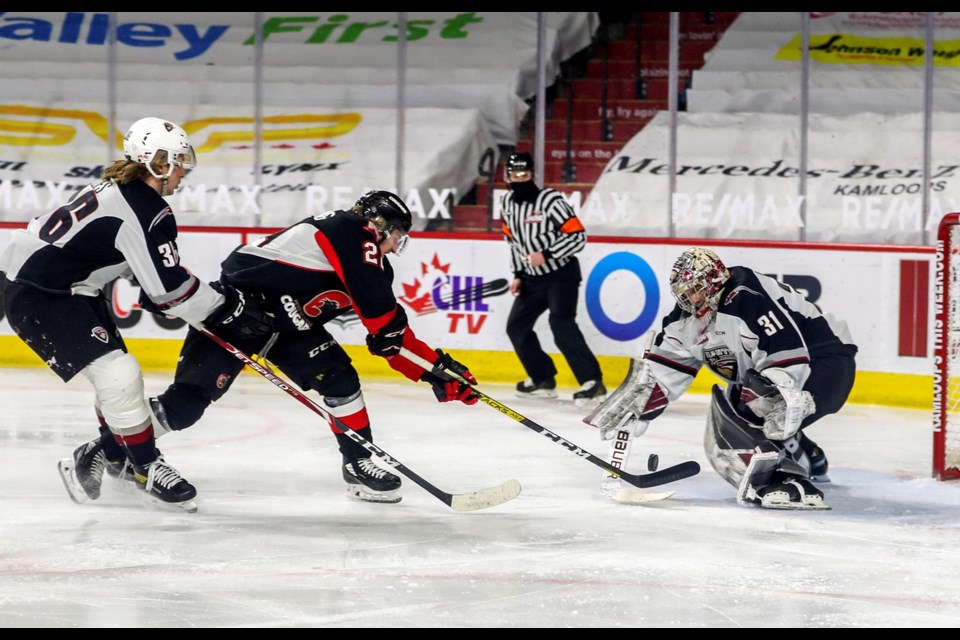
(622, 331)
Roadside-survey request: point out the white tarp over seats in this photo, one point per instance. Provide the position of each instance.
(737, 178)
(500, 108)
(854, 43)
(738, 149)
(313, 159)
(859, 62)
(483, 60)
(789, 80)
(828, 101)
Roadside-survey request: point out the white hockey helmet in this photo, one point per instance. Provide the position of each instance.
(147, 136)
(696, 279)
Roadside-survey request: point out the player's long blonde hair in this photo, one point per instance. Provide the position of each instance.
(124, 171)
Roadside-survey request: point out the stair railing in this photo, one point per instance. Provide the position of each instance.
(450, 202)
(606, 126)
(569, 170)
(487, 168)
(642, 89)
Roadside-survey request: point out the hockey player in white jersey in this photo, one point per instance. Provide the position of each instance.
(56, 270)
(787, 364)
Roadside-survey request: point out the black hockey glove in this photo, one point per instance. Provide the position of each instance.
(389, 339)
(450, 390)
(148, 305)
(241, 315)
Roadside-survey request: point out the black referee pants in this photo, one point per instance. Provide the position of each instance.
(558, 293)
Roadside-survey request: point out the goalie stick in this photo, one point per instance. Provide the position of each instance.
(641, 481)
(472, 501)
(622, 442)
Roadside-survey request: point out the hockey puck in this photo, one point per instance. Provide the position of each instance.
(653, 462)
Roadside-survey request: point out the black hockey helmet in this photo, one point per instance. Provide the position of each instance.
(388, 212)
(519, 161)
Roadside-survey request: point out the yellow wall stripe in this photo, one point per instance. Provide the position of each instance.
(158, 355)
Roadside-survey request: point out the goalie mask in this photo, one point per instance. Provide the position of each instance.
(388, 213)
(155, 142)
(696, 280)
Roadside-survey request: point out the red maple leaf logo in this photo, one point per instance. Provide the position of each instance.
(422, 303)
(418, 303)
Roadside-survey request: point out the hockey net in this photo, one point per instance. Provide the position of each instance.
(946, 351)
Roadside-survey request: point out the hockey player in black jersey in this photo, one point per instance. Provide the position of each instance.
(306, 275)
(56, 270)
(787, 364)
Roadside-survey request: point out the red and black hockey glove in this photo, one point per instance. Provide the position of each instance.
(448, 390)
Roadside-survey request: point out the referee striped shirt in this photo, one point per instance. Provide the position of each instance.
(549, 225)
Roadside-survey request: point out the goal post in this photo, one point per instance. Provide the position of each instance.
(946, 351)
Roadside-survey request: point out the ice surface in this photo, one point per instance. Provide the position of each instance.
(276, 542)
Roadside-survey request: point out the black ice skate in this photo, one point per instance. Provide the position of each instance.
(370, 483)
(546, 389)
(791, 492)
(591, 392)
(818, 459)
(161, 483)
(82, 473)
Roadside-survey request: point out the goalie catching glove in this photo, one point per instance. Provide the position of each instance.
(774, 398)
(449, 389)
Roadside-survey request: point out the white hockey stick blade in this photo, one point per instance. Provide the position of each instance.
(485, 498)
(629, 496)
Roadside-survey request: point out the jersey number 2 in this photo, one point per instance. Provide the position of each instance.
(371, 253)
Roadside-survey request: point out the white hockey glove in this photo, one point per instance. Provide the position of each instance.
(635, 402)
(773, 396)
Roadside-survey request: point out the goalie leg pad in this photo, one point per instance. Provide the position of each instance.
(759, 474)
(729, 440)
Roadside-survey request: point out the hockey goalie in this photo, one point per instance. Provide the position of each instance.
(786, 364)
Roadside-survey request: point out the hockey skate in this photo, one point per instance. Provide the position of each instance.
(160, 483)
(82, 473)
(368, 482)
(791, 492)
(590, 393)
(546, 389)
(818, 459)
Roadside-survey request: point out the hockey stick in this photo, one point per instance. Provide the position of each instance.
(622, 442)
(481, 499)
(642, 481)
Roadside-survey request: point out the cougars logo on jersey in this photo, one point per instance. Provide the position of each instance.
(327, 302)
(722, 361)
